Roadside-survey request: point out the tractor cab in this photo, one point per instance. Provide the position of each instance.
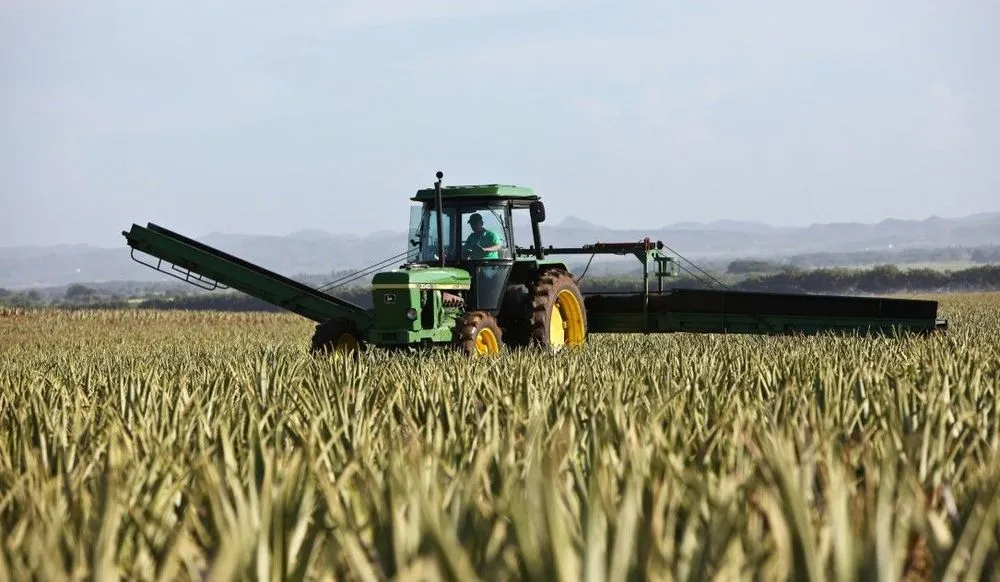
(478, 235)
(469, 227)
(468, 283)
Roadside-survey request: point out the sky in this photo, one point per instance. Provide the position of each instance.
(279, 117)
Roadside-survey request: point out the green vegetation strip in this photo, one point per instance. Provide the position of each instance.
(197, 445)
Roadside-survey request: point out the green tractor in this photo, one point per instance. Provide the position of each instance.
(468, 285)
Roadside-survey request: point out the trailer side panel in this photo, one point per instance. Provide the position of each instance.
(713, 311)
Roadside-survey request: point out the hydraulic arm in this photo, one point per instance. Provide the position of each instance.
(210, 268)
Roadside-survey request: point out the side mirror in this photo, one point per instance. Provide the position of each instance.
(537, 210)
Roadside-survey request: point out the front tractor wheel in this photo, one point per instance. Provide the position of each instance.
(558, 317)
(478, 334)
(336, 336)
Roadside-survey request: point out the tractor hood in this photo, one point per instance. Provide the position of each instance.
(445, 278)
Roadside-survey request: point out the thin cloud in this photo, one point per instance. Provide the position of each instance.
(948, 126)
(365, 13)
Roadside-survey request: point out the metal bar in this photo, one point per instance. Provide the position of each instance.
(200, 283)
(597, 248)
(192, 277)
(369, 270)
(440, 218)
(536, 234)
(660, 263)
(645, 291)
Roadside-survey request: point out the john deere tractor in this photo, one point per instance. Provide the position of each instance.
(465, 283)
(468, 288)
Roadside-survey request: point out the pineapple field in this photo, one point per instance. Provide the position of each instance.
(184, 445)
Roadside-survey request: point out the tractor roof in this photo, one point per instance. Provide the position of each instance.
(479, 191)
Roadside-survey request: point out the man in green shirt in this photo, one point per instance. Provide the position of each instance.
(481, 242)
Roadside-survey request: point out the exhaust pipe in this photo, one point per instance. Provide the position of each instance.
(440, 216)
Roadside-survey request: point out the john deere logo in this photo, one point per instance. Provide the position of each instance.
(390, 297)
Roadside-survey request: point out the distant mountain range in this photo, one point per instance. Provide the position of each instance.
(314, 252)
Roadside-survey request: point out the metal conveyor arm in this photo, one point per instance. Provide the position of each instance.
(213, 267)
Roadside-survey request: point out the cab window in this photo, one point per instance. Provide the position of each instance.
(484, 233)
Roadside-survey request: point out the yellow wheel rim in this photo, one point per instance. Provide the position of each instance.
(566, 325)
(346, 343)
(486, 342)
(557, 327)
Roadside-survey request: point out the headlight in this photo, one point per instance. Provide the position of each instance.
(411, 314)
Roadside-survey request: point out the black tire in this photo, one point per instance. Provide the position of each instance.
(515, 316)
(556, 300)
(336, 335)
(477, 333)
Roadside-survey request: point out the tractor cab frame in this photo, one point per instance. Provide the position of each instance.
(449, 211)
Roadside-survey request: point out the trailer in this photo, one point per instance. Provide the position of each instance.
(464, 283)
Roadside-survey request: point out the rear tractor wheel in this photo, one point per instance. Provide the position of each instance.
(334, 335)
(558, 316)
(478, 334)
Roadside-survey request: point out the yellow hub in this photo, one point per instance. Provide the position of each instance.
(486, 342)
(557, 329)
(566, 325)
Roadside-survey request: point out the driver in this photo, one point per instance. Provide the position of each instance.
(481, 242)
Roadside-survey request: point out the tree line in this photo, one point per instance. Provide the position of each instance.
(981, 255)
(881, 280)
